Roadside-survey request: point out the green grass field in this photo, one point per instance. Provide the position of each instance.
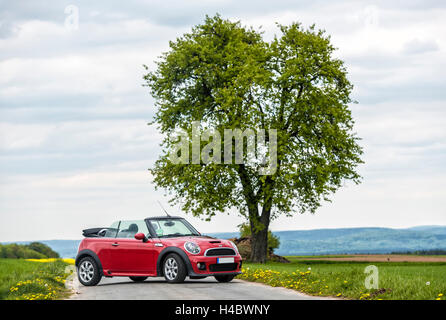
(28, 280)
(399, 280)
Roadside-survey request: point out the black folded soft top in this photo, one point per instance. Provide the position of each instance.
(96, 232)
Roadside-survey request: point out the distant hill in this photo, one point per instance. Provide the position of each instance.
(357, 240)
(327, 241)
(34, 250)
(65, 248)
(360, 240)
(431, 229)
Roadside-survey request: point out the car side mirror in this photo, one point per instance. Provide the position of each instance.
(141, 236)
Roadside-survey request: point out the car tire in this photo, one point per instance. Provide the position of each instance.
(224, 278)
(88, 272)
(138, 279)
(174, 269)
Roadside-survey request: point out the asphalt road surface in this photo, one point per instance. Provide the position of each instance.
(121, 288)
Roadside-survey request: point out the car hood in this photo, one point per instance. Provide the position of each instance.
(204, 242)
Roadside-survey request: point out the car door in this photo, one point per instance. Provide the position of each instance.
(103, 246)
(131, 256)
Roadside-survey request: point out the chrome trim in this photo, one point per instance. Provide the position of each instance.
(234, 246)
(223, 255)
(184, 246)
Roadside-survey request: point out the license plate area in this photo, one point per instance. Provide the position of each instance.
(225, 260)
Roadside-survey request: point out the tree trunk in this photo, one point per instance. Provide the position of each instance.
(259, 245)
(259, 223)
(259, 241)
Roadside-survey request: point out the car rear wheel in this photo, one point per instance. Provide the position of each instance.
(224, 278)
(138, 279)
(174, 269)
(88, 272)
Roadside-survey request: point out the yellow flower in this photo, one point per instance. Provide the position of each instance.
(440, 294)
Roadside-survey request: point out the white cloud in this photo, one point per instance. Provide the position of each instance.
(417, 46)
(79, 136)
(75, 147)
(21, 136)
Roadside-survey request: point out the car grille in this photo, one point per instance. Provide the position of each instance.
(223, 267)
(220, 252)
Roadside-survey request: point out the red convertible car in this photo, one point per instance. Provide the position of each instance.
(154, 247)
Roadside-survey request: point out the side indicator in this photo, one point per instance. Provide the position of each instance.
(159, 244)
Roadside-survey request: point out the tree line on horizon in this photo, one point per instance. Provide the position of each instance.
(34, 250)
(434, 252)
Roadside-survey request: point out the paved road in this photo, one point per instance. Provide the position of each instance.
(203, 289)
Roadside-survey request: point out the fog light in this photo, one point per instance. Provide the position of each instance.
(201, 266)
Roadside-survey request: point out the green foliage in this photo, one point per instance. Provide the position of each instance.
(43, 249)
(273, 240)
(226, 76)
(35, 250)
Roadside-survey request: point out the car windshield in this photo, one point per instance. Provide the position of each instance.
(173, 228)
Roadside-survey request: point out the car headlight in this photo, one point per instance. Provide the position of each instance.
(192, 247)
(235, 247)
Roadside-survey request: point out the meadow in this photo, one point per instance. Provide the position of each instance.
(42, 279)
(346, 279)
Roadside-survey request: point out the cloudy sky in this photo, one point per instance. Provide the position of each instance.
(74, 140)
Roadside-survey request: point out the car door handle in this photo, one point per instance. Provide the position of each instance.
(115, 244)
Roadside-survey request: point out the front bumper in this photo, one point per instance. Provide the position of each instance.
(210, 263)
(193, 274)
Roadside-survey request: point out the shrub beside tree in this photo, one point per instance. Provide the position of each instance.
(273, 241)
(244, 244)
(43, 249)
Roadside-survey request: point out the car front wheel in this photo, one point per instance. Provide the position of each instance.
(174, 269)
(224, 278)
(88, 272)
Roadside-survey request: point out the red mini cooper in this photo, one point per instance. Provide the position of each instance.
(154, 247)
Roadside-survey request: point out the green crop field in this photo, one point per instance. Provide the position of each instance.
(346, 279)
(27, 280)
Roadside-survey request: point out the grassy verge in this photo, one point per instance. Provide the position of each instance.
(397, 281)
(32, 280)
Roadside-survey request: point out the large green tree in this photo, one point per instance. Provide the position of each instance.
(226, 76)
